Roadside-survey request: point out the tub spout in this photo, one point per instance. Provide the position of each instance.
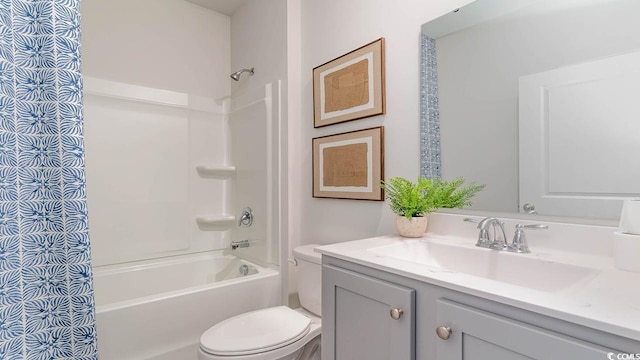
(239, 244)
(242, 243)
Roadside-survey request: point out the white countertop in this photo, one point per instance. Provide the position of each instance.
(608, 301)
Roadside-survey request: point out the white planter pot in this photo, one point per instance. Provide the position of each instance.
(416, 227)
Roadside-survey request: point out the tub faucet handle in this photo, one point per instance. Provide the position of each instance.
(246, 218)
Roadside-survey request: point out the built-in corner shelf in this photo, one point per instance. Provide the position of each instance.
(215, 222)
(216, 219)
(216, 172)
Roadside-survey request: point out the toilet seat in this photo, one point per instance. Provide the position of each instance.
(256, 332)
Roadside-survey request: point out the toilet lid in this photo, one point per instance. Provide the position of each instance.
(255, 332)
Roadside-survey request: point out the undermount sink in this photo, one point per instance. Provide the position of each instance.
(517, 269)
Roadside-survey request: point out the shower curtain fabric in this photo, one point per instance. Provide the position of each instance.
(46, 292)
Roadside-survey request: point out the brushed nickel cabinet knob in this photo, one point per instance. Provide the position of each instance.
(396, 313)
(443, 332)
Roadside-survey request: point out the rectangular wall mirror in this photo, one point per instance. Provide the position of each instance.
(538, 100)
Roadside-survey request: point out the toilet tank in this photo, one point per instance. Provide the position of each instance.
(308, 277)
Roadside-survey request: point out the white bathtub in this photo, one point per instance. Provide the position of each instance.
(158, 309)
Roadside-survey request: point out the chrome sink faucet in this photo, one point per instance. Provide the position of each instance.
(499, 239)
(495, 239)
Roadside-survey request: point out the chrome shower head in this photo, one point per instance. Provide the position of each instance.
(236, 75)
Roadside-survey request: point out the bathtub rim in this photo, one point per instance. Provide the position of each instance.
(105, 270)
(161, 261)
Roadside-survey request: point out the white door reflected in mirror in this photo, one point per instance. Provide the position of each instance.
(580, 136)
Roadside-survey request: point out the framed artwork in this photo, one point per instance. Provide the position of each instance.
(349, 165)
(350, 87)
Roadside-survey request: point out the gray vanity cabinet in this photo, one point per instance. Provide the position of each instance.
(366, 318)
(479, 335)
(358, 323)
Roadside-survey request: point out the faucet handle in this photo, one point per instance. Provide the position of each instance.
(533, 227)
(519, 243)
(246, 218)
(483, 236)
(483, 239)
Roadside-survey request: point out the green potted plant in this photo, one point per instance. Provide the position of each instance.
(413, 202)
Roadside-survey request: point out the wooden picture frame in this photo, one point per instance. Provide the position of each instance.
(350, 87)
(349, 165)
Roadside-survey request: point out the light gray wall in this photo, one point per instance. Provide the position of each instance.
(330, 28)
(478, 71)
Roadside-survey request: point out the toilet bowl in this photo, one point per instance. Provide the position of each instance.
(276, 333)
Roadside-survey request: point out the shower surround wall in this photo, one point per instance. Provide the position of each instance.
(144, 147)
(144, 191)
(158, 147)
(162, 315)
(259, 39)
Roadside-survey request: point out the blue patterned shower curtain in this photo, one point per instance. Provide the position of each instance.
(46, 292)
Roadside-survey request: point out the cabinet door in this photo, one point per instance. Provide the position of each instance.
(476, 334)
(357, 323)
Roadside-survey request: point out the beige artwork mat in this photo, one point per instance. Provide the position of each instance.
(351, 86)
(349, 165)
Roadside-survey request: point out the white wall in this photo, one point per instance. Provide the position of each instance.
(259, 40)
(165, 44)
(330, 28)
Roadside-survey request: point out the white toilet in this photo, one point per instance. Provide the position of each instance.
(277, 333)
